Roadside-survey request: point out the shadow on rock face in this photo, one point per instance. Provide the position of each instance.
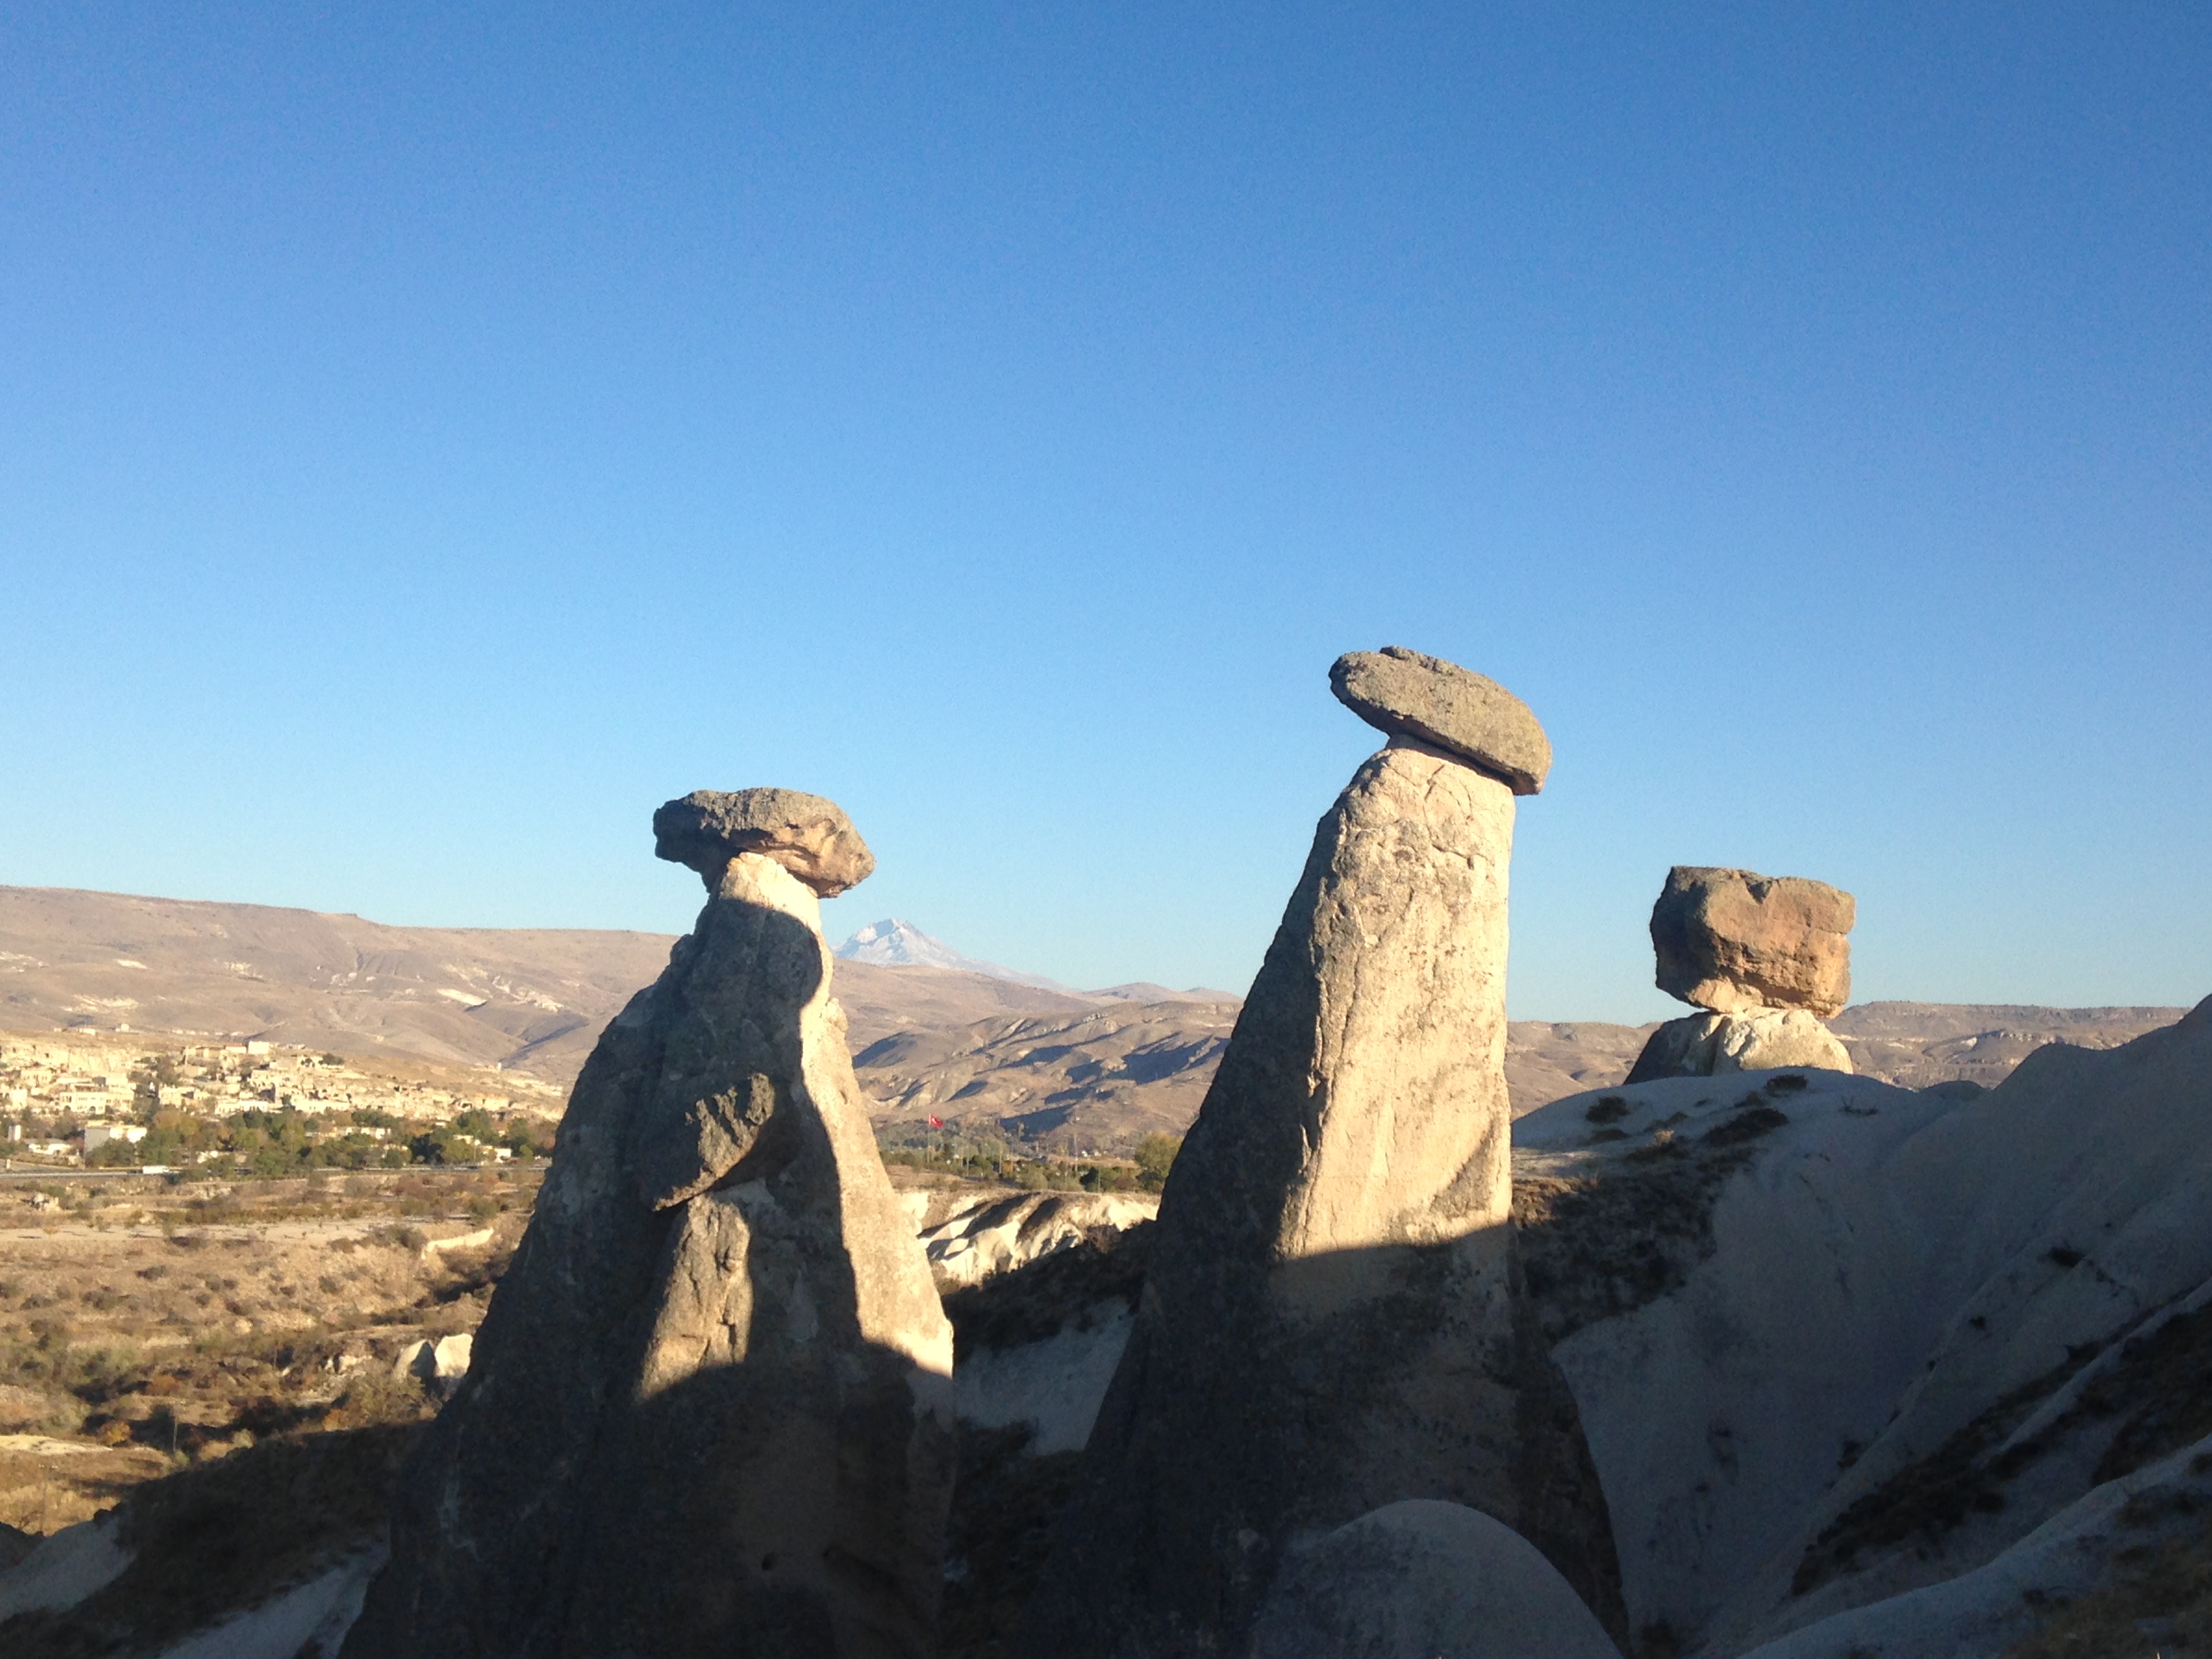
(1423, 1377)
(777, 1520)
(1332, 1321)
(1424, 1580)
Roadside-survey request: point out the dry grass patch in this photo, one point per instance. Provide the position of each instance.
(159, 1345)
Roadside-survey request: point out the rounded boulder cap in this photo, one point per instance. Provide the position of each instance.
(807, 835)
(1452, 709)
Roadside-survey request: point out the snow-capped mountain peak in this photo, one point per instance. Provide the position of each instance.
(894, 943)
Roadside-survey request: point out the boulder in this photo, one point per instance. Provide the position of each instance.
(1425, 1580)
(439, 1365)
(1680, 1048)
(809, 836)
(1729, 940)
(1762, 1040)
(710, 1408)
(1439, 702)
(1330, 1323)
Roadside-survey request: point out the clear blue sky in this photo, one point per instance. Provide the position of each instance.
(430, 436)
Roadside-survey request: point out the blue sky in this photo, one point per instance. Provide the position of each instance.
(431, 436)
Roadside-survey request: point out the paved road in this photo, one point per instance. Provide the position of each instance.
(66, 1172)
(49, 1172)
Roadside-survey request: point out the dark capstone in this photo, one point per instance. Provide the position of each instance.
(809, 836)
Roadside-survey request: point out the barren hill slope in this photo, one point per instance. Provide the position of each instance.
(532, 999)
(1913, 1044)
(535, 1000)
(1096, 1078)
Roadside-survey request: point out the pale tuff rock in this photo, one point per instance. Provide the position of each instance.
(438, 1365)
(1680, 1048)
(809, 836)
(1330, 1323)
(1425, 1580)
(996, 1234)
(1769, 1038)
(66, 1567)
(1463, 714)
(710, 1408)
(1763, 1040)
(1995, 1608)
(1861, 1367)
(1053, 1387)
(1729, 940)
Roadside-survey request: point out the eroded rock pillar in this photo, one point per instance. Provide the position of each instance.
(710, 1407)
(1331, 1324)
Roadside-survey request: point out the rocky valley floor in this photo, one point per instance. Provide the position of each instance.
(218, 1382)
(1785, 1364)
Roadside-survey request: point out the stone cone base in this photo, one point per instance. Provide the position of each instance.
(1758, 1040)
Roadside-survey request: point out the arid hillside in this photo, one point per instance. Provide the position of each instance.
(530, 999)
(1102, 1067)
(146, 1323)
(1914, 1044)
(1097, 1077)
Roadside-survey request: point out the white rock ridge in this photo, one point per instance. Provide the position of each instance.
(1796, 1309)
(994, 1235)
(1425, 1580)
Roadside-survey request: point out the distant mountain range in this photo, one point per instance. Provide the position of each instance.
(893, 943)
(935, 1033)
(532, 1000)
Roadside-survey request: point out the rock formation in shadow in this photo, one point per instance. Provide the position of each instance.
(1331, 1323)
(710, 1407)
(1417, 1579)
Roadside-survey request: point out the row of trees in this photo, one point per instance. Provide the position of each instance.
(286, 1142)
(987, 1157)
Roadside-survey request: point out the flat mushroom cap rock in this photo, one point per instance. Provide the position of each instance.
(808, 836)
(1449, 708)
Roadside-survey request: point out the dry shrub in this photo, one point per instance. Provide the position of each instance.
(27, 1410)
(375, 1397)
